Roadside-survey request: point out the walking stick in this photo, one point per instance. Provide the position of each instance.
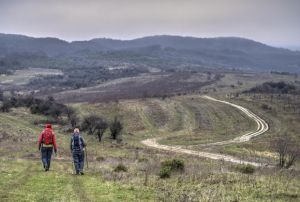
(73, 168)
(73, 165)
(86, 159)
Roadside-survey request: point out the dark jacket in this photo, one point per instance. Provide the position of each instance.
(82, 143)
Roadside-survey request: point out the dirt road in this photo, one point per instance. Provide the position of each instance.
(262, 127)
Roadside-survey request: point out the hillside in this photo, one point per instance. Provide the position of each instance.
(163, 52)
(190, 121)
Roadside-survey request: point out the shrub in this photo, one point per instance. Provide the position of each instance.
(121, 168)
(95, 125)
(89, 123)
(169, 166)
(37, 106)
(165, 172)
(73, 119)
(174, 164)
(143, 159)
(287, 149)
(1, 95)
(266, 107)
(5, 106)
(245, 168)
(115, 128)
(274, 87)
(100, 126)
(100, 158)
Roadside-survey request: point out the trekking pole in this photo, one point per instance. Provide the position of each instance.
(73, 165)
(73, 168)
(86, 159)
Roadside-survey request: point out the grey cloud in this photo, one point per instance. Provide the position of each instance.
(272, 21)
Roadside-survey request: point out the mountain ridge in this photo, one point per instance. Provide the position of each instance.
(219, 52)
(135, 39)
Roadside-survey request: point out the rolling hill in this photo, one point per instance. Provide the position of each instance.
(163, 52)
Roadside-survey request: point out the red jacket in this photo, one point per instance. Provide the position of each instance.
(40, 140)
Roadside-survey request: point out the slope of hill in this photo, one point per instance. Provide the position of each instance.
(221, 52)
(189, 119)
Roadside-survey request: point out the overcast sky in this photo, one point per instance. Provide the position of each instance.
(275, 22)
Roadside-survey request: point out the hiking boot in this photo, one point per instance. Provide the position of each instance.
(81, 173)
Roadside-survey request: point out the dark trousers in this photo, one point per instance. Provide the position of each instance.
(78, 157)
(46, 156)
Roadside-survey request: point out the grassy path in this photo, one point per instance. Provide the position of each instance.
(24, 180)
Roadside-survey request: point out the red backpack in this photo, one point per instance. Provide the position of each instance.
(47, 137)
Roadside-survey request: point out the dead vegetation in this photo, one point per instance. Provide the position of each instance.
(155, 85)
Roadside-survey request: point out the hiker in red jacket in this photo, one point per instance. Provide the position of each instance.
(46, 143)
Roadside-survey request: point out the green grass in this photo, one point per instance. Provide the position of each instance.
(24, 180)
(282, 119)
(209, 122)
(21, 77)
(231, 187)
(188, 120)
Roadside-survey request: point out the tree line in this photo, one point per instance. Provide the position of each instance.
(275, 88)
(92, 124)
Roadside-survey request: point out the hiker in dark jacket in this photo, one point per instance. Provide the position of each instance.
(77, 147)
(46, 144)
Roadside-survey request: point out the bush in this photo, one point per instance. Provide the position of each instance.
(266, 107)
(100, 158)
(245, 168)
(5, 106)
(169, 166)
(95, 125)
(287, 149)
(89, 123)
(121, 168)
(115, 128)
(174, 164)
(165, 172)
(1, 95)
(143, 159)
(274, 87)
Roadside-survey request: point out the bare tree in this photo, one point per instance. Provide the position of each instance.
(115, 128)
(89, 124)
(95, 125)
(70, 111)
(6, 105)
(74, 120)
(1, 95)
(287, 149)
(72, 116)
(100, 126)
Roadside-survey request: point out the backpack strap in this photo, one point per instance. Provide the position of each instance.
(72, 142)
(80, 142)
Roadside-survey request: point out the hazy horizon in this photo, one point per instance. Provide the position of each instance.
(273, 22)
(88, 39)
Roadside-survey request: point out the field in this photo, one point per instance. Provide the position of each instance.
(21, 77)
(182, 120)
(144, 85)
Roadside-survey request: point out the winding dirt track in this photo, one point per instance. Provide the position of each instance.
(262, 127)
